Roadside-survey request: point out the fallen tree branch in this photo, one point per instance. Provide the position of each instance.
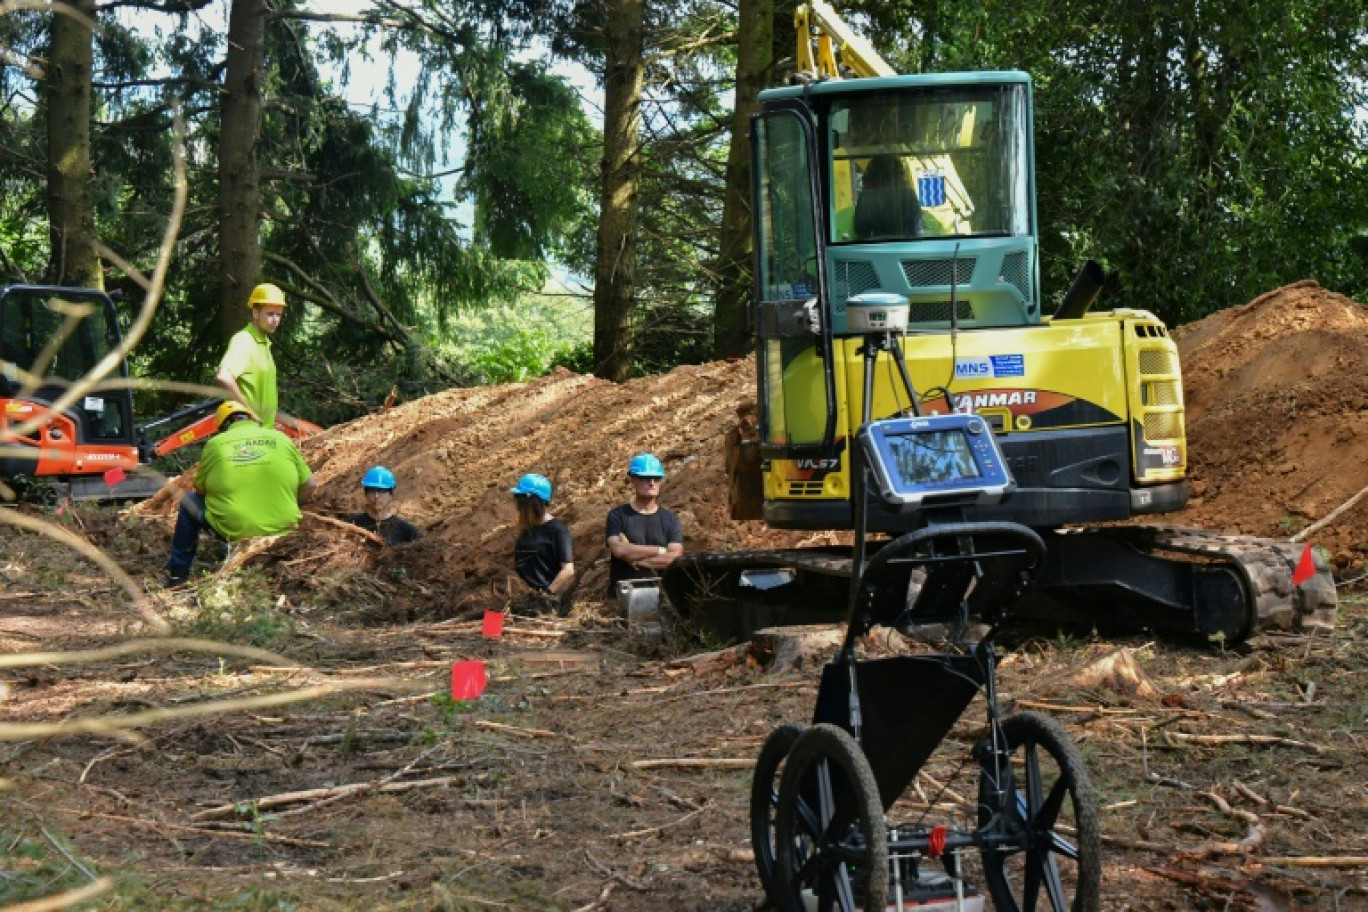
(286, 798)
(1314, 861)
(346, 527)
(515, 730)
(664, 826)
(1253, 837)
(602, 899)
(1330, 517)
(1265, 802)
(203, 831)
(66, 900)
(1274, 740)
(693, 763)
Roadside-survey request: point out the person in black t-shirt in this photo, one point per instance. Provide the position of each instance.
(543, 554)
(378, 486)
(643, 537)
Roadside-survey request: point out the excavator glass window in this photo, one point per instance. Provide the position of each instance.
(61, 335)
(794, 411)
(929, 161)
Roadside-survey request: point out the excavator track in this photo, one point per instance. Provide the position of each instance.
(1267, 566)
(1170, 579)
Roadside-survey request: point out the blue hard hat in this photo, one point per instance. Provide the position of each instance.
(645, 465)
(536, 485)
(380, 478)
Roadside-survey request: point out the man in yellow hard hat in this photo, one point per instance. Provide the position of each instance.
(248, 372)
(250, 482)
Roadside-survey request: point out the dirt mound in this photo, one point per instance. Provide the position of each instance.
(1277, 417)
(456, 454)
(1277, 397)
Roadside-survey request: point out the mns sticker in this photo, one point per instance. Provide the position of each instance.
(991, 367)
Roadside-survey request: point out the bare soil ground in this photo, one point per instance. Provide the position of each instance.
(1231, 782)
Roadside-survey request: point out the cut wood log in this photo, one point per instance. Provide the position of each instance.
(798, 647)
(720, 660)
(1117, 671)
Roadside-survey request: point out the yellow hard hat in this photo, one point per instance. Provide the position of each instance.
(228, 409)
(266, 293)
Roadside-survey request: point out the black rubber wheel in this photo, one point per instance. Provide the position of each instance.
(830, 838)
(764, 801)
(1051, 858)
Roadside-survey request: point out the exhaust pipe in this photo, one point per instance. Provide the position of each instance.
(1084, 290)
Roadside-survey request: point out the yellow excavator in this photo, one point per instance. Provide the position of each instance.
(903, 208)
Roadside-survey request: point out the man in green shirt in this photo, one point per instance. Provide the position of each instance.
(248, 371)
(250, 481)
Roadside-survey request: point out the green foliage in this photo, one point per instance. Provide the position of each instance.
(529, 204)
(239, 607)
(520, 340)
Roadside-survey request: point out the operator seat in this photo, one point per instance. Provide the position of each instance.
(887, 206)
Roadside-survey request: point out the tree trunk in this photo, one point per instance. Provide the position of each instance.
(71, 207)
(239, 180)
(615, 269)
(754, 61)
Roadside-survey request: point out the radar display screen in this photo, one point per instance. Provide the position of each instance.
(937, 460)
(932, 457)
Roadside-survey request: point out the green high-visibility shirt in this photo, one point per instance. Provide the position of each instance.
(249, 360)
(250, 478)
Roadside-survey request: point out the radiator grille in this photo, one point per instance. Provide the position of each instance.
(1163, 426)
(851, 277)
(804, 488)
(1016, 273)
(1158, 361)
(938, 311)
(1164, 393)
(923, 273)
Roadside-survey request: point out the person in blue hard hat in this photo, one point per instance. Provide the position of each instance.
(543, 554)
(643, 537)
(378, 487)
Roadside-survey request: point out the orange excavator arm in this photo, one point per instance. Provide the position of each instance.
(204, 424)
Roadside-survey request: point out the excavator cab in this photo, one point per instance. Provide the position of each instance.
(50, 338)
(906, 205)
(916, 186)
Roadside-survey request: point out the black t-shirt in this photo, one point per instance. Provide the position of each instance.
(394, 531)
(540, 551)
(657, 529)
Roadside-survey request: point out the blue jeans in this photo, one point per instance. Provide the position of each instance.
(191, 520)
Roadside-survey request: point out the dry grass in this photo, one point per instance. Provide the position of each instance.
(1218, 792)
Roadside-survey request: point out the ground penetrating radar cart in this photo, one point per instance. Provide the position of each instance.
(824, 796)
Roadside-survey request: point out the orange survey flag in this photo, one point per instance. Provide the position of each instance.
(468, 680)
(1306, 567)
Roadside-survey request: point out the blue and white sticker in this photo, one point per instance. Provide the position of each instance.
(990, 368)
(931, 189)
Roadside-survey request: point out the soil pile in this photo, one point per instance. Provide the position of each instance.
(1277, 418)
(457, 453)
(1277, 397)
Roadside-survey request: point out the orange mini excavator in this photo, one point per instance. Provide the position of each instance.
(89, 447)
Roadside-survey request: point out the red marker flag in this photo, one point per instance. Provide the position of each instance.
(1306, 567)
(114, 476)
(493, 624)
(468, 680)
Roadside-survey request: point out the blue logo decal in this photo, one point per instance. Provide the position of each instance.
(1008, 365)
(931, 188)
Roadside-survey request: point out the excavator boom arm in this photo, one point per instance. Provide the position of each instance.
(823, 37)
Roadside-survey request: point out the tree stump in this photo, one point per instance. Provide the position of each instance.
(796, 648)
